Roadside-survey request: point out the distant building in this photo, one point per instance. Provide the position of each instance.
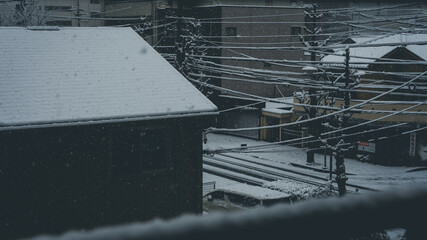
(254, 26)
(365, 16)
(283, 21)
(118, 10)
(231, 23)
(225, 27)
(76, 13)
(369, 60)
(96, 128)
(366, 59)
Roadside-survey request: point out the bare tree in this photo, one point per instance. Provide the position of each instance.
(23, 13)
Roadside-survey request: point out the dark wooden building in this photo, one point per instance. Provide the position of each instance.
(95, 129)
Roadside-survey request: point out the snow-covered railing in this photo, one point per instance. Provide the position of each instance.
(318, 219)
(208, 187)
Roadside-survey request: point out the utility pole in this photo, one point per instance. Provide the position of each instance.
(313, 128)
(347, 85)
(341, 177)
(78, 13)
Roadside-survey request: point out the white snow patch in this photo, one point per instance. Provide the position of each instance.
(299, 190)
(254, 191)
(83, 74)
(366, 174)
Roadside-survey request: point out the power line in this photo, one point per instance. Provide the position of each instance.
(285, 81)
(319, 117)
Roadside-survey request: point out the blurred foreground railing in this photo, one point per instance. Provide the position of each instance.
(311, 220)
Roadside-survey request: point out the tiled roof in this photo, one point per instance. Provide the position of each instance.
(378, 52)
(82, 74)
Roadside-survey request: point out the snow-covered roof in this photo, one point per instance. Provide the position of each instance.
(298, 189)
(279, 108)
(254, 191)
(286, 103)
(378, 52)
(84, 74)
(364, 40)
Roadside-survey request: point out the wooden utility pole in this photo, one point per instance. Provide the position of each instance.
(341, 177)
(347, 86)
(312, 126)
(78, 13)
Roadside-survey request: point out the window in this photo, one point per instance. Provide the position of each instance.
(57, 8)
(295, 30)
(231, 31)
(136, 150)
(94, 14)
(59, 23)
(268, 2)
(267, 65)
(94, 1)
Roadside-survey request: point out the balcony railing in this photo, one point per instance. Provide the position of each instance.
(332, 219)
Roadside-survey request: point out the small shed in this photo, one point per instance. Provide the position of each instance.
(276, 113)
(96, 128)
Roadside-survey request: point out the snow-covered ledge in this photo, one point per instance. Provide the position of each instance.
(318, 219)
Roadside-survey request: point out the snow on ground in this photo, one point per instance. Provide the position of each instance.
(299, 190)
(219, 181)
(254, 191)
(366, 174)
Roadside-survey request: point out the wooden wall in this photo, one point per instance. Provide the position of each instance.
(56, 179)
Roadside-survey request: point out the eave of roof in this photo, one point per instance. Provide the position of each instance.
(105, 121)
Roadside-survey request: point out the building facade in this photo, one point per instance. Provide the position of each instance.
(384, 67)
(112, 134)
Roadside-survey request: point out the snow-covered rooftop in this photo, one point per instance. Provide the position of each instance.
(365, 40)
(279, 108)
(254, 191)
(366, 174)
(82, 74)
(378, 52)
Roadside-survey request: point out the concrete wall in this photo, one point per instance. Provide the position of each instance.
(253, 26)
(128, 9)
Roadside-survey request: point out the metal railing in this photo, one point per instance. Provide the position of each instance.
(332, 219)
(208, 187)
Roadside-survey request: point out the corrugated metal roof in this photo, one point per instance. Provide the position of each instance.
(81, 74)
(378, 52)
